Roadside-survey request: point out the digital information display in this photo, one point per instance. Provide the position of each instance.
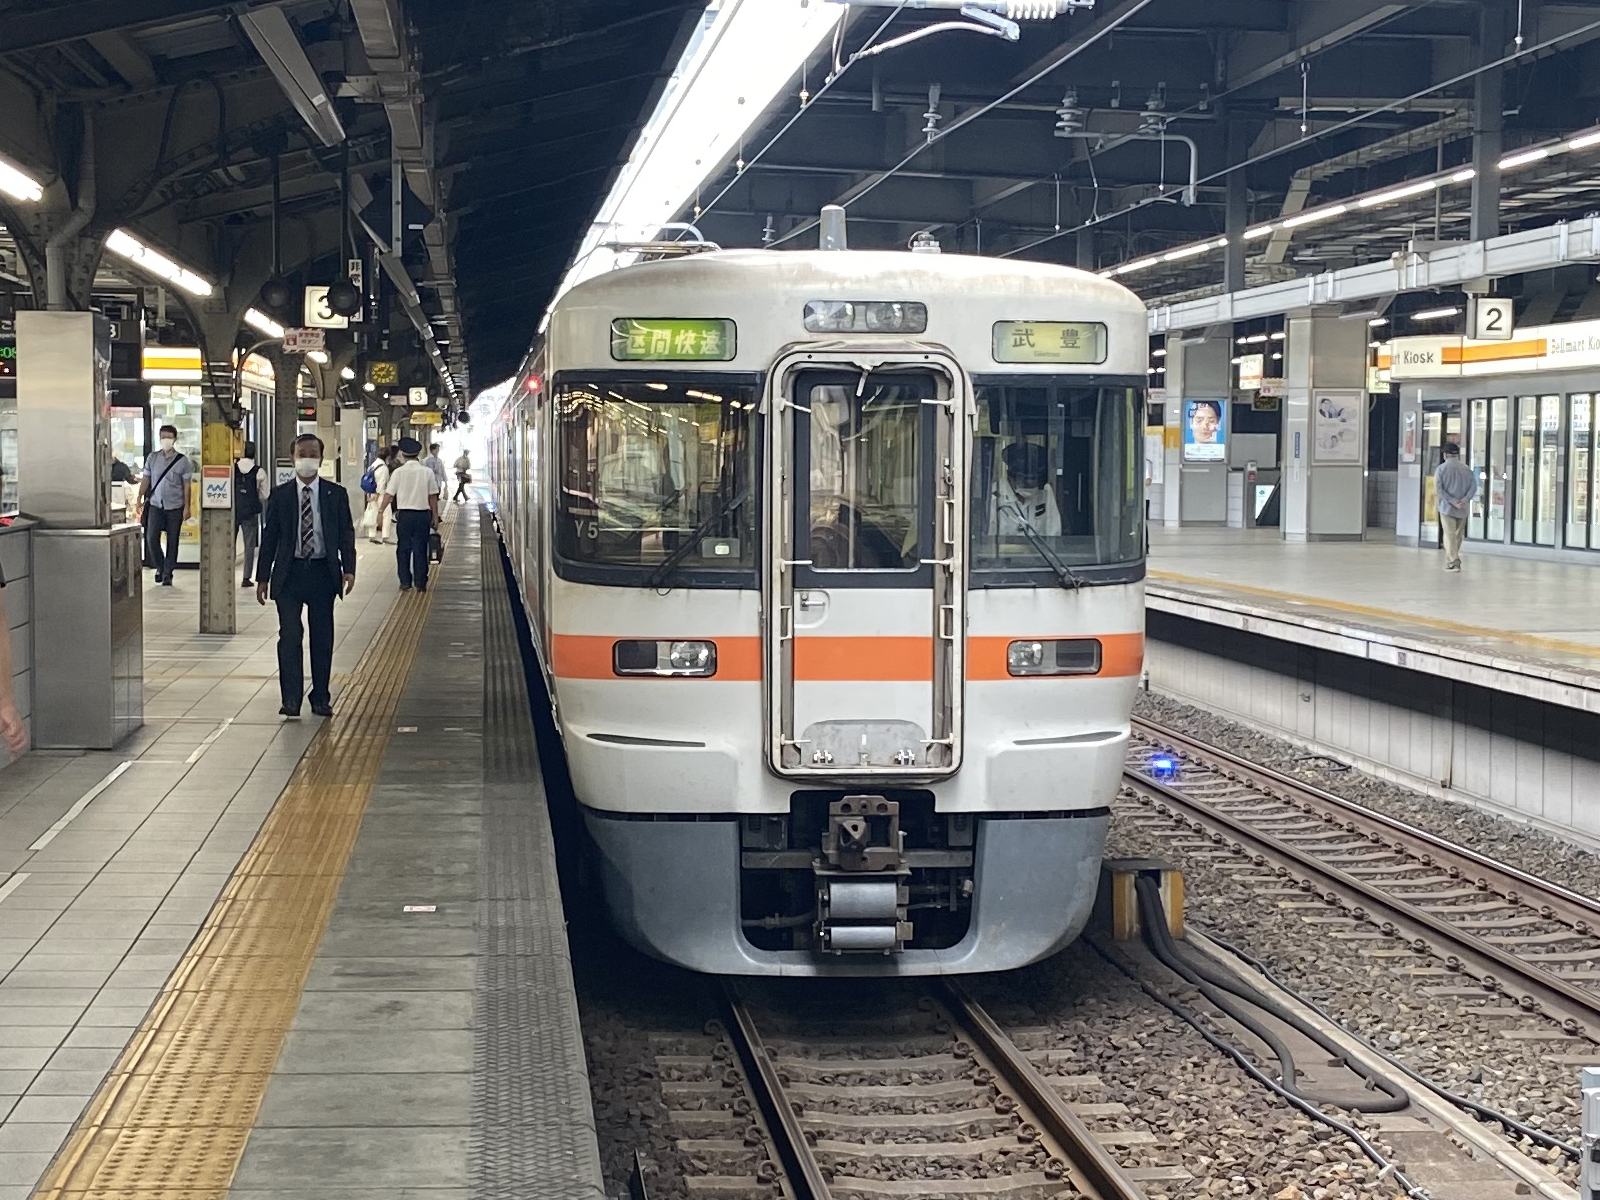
(655, 339)
(1049, 342)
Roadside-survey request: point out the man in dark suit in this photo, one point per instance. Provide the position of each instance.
(308, 560)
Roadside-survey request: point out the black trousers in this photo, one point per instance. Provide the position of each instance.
(411, 555)
(156, 522)
(251, 528)
(310, 586)
(461, 487)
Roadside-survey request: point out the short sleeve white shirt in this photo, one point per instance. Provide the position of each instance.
(411, 484)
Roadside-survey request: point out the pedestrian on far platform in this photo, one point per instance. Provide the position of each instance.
(436, 464)
(463, 477)
(1454, 486)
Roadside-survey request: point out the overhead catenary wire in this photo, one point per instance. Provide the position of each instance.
(1337, 127)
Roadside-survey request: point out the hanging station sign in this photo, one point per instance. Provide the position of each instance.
(665, 339)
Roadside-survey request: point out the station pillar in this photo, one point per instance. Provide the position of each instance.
(1325, 430)
(1199, 373)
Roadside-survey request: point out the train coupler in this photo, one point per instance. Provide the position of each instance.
(861, 878)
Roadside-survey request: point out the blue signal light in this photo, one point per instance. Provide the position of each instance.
(1163, 767)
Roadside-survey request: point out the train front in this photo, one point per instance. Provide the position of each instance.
(847, 607)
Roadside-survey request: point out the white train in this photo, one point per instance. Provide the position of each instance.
(834, 563)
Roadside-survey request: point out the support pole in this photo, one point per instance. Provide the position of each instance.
(1488, 125)
(219, 407)
(1236, 210)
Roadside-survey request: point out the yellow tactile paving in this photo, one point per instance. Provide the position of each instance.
(171, 1120)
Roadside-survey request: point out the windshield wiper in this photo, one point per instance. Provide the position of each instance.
(666, 565)
(1063, 573)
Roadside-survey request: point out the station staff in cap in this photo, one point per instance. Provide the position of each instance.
(12, 730)
(413, 492)
(308, 560)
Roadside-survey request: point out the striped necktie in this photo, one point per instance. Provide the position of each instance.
(307, 525)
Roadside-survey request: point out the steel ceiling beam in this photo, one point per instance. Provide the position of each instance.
(74, 19)
(1317, 27)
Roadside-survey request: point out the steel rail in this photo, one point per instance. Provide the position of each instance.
(800, 1165)
(1090, 1166)
(1583, 912)
(1578, 1009)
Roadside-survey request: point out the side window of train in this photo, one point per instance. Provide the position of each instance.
(1054, 475)
(654, 478)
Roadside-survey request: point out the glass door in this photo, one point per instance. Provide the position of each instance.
(1547, 485)
(1494, 469)
(1432, 455)
(1579, 457)
(1527, 450)
(866, 618)
(1476, 452)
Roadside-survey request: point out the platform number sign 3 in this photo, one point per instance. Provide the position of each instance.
(318, 314)
(1489, 318)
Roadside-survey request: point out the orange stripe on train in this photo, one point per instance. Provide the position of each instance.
(843, 659)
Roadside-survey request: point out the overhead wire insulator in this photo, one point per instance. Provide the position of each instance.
(1034, 10)
(1070, 117)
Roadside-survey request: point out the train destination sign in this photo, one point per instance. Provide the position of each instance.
(1049, 342)
(653, 339)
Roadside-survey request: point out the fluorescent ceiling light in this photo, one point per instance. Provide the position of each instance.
(1376, 321)
(151, 262)
(1463, 175)
(1191, 250)
(1260, 231)
(1584, 141)
(1315, 215)
(1431, 314)
(1162, 353)
(1527, 156)
(320, 357)
(1399, 193)
(1279, 336)
(1254, 339)
(257, 319)
(279, 46)
(18, 184)
(730, 75)
(1139, 264)
(347, 372)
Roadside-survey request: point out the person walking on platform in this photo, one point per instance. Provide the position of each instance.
(12, 731)
(463, 477)
(250, 491)
(1454, 485)
(436, 464)
(413, 493)
(308, 560)
(164, 494)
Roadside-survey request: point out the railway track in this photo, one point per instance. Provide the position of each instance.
(1529, 940)
(934, 1102)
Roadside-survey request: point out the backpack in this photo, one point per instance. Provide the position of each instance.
(369, 483)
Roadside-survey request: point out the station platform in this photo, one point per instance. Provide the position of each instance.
(264, 958)
(1521, 626)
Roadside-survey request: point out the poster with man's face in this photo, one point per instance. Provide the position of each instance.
(1205, 431)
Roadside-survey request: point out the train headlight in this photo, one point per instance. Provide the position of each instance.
(687, 659)
(1062, 656)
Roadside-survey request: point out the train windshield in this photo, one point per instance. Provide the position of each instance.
(1055, 474)
(656, 479)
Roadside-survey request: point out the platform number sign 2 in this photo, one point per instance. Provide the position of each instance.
(319, 314)
(1489, 318)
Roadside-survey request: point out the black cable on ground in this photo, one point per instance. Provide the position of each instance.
(1242, 1060)
(1492, 1115)
(1213, 983)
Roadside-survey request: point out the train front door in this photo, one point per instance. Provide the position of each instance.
(866, 519)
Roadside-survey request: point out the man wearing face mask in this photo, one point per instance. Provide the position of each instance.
(308, 560)
(164, 494)
(250, 490)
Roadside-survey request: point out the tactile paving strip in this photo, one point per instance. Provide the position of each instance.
(533, 1117)
(172, 1118)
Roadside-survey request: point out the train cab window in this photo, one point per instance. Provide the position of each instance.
(656, 479)
(1055, 482)
(865, 470)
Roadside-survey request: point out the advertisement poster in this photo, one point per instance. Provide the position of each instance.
(1205, 431)
(1336, 426)
(1408, 437)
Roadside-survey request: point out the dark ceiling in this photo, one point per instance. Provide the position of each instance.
(1296, 103)
(529, 108)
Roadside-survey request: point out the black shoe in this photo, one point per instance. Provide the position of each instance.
(322, 710)
(421, 587)
(287, 711)
(405, 587)
(166, 583)
(246, 583)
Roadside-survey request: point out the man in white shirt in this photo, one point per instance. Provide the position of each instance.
(436, 464)
(413, 493)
